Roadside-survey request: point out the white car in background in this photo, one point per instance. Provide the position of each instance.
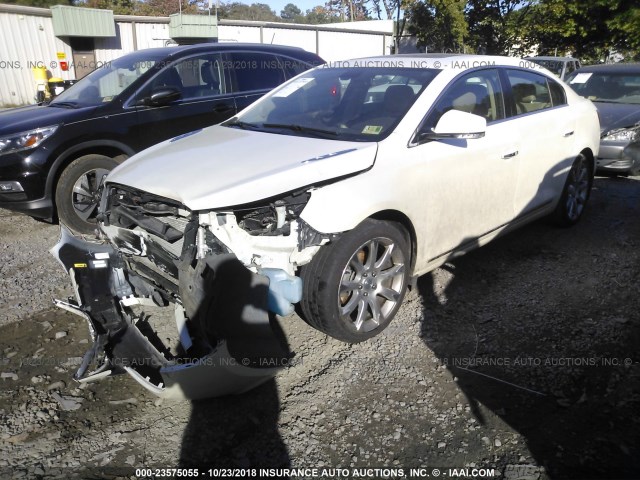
(561, 66)
(333, 191)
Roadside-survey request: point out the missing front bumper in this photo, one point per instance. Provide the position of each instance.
(226, 339)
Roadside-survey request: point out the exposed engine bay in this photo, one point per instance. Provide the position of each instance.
(220, 277)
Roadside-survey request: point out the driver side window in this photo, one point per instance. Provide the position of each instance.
(200, 76)
(479, 93)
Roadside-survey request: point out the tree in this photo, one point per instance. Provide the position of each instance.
(590, 30)
(241, 11)
(164, 8)
(439, 25)
(119, 7)
(319, 15)
(348, 10)
(39, 3)
(292, 13)
(495, 26)
(390, 7)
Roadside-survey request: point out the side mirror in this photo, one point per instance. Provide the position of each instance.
(456, 124)
(162, 96)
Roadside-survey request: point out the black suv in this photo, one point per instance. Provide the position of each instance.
(54, 157)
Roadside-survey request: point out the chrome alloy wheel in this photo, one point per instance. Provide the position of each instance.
(85, 196)
(372, 284)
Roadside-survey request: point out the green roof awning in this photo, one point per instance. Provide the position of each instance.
(82, 22)
(193, 26)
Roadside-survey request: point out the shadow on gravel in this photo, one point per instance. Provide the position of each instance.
(541, 329)
(235, 432)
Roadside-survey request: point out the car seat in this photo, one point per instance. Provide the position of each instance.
(472, 98)
(397, 99)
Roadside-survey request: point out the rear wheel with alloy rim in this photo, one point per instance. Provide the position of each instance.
(78, 191)
(576, 193)
(354, 286)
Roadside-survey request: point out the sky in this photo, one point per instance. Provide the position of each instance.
(278, 5)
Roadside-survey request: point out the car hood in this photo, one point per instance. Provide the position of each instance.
(617, 115)
(21, 119)
(222, 166)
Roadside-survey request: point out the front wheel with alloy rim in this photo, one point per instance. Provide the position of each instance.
(353, 287)
(577, 189)
(78, 191)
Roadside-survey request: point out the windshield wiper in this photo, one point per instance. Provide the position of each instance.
(243, 125)
(64, 104)
(303, 129)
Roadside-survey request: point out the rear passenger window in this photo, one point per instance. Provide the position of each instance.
(255, 71)
(558, 96)
(530, 91)
(293, 67)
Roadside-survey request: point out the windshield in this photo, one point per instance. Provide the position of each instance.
(606, 86)
(356, 104)
(106, 82)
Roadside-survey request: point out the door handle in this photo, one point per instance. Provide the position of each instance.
(568, 134)
(222, 107)
(510, 154)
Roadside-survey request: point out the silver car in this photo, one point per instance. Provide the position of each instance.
(615, 91)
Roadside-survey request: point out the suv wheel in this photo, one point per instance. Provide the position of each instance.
(77, 194)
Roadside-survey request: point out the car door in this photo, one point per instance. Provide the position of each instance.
(206, 99)
(465, 187)
(539, 109)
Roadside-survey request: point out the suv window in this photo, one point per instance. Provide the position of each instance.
(197, 76)
(292, 67)
(202, 76)
(479, 93)
(530, 91)
(104, 84)
(256, 71)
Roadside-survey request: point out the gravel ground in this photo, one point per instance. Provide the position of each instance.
(521, 356)
(29, 276)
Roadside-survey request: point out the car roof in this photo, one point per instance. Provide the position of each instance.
(613, 68)
(181, 50)
(440, 61)
(557, 59)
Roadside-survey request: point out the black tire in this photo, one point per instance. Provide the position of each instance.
(346, 265)
(77, 191)
(575, 194)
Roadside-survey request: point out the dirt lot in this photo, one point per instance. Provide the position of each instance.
(521, 357)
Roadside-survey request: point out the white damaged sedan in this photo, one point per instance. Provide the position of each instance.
(332, 192)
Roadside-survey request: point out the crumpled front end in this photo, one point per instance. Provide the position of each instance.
(185, 302)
